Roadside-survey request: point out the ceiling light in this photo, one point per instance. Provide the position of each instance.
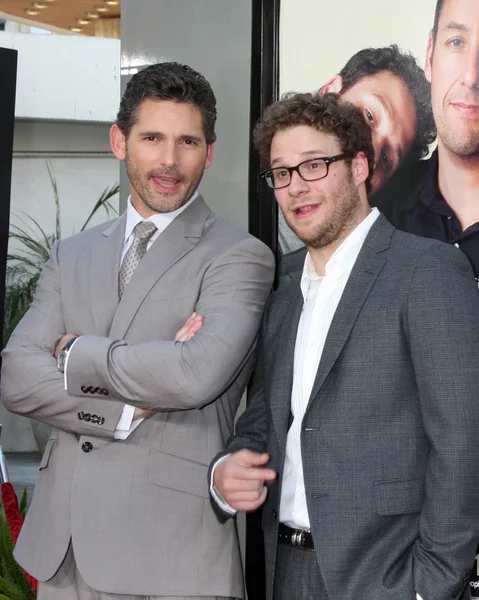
(39, 5)
(31, 12)
(112, 2)
(102, 8)
(92, 15)
(83, 21)
(75, 29)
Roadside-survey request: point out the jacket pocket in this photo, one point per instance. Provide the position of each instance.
(46, 454)
(178, 474)
(399, 497)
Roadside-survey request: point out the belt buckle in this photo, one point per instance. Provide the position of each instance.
(297, 538)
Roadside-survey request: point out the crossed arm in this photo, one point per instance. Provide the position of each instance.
(159, 375)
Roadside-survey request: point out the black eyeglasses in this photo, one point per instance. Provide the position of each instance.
(309, 170)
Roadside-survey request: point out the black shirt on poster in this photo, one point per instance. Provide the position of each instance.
(423, 210)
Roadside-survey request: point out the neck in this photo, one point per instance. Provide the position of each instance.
(321, 256)
(458, 179)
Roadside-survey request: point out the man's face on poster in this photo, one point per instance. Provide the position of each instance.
(452, 67)
(388, 107)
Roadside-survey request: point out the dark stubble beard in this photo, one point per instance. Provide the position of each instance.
(343, 209)
(160, 203)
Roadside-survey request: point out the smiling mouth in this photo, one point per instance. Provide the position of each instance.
(166, 183)
(305, 210)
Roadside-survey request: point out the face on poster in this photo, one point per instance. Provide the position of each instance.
(374, 54)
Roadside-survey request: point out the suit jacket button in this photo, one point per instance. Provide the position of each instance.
(104, 392)
(87, 417)
(87, 446)
(84, 389)
(81, 416)
(101, 420)
(94, 419)
(274, 513)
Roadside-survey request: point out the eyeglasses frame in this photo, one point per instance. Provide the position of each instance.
(328, 160)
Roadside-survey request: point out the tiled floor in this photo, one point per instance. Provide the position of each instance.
(23, 471)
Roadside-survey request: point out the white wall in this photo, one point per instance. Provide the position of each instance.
(76, 78)
(81, 163)
(318, 38)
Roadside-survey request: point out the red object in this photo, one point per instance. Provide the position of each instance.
(14, 520)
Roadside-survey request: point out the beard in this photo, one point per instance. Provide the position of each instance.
(343, 209)
(161, 202)
(461, 140)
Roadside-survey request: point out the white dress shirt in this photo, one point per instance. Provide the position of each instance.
(126, 424)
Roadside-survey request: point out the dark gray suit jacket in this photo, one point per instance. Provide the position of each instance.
(389, 439)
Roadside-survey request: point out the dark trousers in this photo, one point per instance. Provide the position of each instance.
(297, 575)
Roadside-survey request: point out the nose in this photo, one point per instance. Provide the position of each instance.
(297, 186)
(470, 74)
(169, 154)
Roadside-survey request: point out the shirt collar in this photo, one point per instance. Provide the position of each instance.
(161, 220)
(344, 257)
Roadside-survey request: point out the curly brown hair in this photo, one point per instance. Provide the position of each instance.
(328, 114)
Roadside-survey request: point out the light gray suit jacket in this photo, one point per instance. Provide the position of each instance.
(389, 438)
(137, 511)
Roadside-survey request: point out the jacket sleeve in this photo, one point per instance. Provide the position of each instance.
(443, 327)
(251, 428)
(31, 384)
(164, 375)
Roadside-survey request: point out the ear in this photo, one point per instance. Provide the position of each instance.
(429, 53)
(209, 155)
(334, 86)
(117, 142)
(360, 168)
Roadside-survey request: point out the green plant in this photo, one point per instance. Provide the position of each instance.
(13, 583)
(25, 264)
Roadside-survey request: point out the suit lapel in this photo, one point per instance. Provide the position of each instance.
(174, 242)
(369, 263)
(105, 254)
(281, 385)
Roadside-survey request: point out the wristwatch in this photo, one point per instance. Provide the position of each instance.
(62, 355)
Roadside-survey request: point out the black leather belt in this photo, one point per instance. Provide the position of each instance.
(300, 538)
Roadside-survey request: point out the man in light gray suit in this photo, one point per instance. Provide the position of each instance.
(122, 506)
(360, 433)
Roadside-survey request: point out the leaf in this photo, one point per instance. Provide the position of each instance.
(23, 503)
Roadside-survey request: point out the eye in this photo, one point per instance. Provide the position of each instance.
(314, 165)
(369, 116)
(456, 42)
(385, 162)
(150, 138)
(190, 143)
(281, 173)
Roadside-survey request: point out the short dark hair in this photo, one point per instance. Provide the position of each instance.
(168, 81)
(437, 16)
(328, 114)
(370, 61)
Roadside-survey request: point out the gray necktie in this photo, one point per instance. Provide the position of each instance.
(141, 236)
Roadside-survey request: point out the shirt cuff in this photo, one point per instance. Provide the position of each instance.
(217, 497)
(418, 597)
(65, 381)
(126, 425)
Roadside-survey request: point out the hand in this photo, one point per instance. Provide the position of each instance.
(141, 414)
(240, 479)
(66, 338)
(190, 328)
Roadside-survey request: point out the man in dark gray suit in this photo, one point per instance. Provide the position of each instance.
(360, 432)
(121, 509)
